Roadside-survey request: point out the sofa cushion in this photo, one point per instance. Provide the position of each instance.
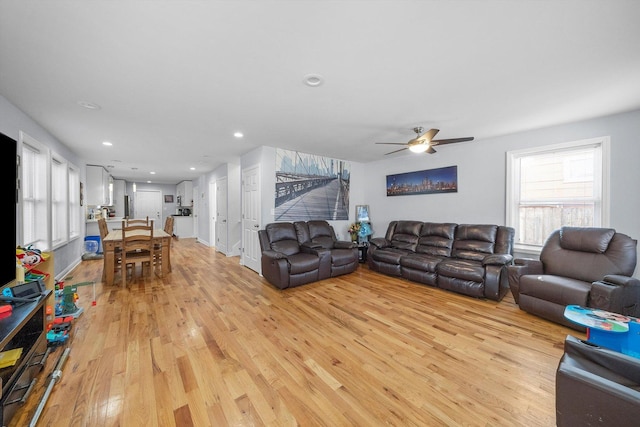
(283, 238)
(406, 235)
(421, 262)
(303, 263)
(586, 239)
(462, 269)
(474, 242)
(389, 255)
(436, 239)
(343, 257)
(557, 289)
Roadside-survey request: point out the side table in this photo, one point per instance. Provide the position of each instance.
(362, 252)
(611, 330)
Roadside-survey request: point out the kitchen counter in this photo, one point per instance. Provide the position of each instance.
(183, 226)
(111, 219)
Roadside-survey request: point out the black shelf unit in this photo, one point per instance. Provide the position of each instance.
(24, 328)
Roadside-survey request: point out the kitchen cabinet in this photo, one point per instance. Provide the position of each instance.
(184, 191)
(183, 226)
(118, 197)
(99, 191)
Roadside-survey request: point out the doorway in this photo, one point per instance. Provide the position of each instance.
(149, 203)
(212, 213)
(251, 253)
(221, 215)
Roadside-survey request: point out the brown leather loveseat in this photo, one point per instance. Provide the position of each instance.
(585, 266)
(470, 259)
(295, 254)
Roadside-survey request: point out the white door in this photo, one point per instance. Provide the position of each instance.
(196, 211)
(212, 213)
(251, 218)
(221, 215)
(149, 203)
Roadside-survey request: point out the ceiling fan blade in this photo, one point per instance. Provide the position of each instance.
(450, 141)
(391, 143)
(391, 152)
(428, 135)
(430, 150)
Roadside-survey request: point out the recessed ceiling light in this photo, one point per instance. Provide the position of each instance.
(313, 80)
(107, 143)
(238, 135)
(152, 173)
(148, 182)
(192, 169)
(88, 105)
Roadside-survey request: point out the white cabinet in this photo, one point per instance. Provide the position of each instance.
(183, 226)
(184, 191)
(99, 190)
(118, 196)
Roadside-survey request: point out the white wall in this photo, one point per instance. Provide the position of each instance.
(482, 176)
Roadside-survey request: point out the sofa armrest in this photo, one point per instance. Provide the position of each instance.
(343, 244)
(497, 259)
(528, 266)
(617, 294)
(271, 254)
(619, 280)
(521, 267)
(379, 242)
(308, 247)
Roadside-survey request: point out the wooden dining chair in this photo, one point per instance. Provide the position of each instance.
(104, 230)
(137, 247)
(137, 221)
(168, 228)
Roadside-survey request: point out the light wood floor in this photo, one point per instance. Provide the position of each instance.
(213, 344)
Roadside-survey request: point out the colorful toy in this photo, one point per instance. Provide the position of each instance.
(59, 332)
(66, 298)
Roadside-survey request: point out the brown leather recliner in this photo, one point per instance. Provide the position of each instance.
(320, 235)
(596, 386)
(586, 266)
(287, 263)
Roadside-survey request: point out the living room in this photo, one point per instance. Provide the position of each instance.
(481, 197)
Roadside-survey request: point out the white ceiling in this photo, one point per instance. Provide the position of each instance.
(176, 79)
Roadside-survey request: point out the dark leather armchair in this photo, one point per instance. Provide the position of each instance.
(320, 236)
(285, 262)
(589, 267)
(596, 386)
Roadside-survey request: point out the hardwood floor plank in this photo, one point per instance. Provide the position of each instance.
(213, 344)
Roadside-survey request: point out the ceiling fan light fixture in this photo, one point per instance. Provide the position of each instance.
(419, 148)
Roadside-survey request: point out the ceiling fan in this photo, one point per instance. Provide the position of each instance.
(424, 141)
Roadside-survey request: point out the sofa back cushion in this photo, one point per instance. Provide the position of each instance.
(585, 239)
(282, 237)
(589, 265)
(436, 239)
(405, 235)
(321, 232)
(474, 241)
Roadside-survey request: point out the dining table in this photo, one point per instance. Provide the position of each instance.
(113, 241)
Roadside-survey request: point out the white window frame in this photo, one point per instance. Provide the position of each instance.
(59, 201)
(75, 208)
(35, 190)
(601, 216)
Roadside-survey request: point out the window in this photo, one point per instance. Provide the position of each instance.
(74, 202)
(35, 199)
(59, 201)
(554, 186)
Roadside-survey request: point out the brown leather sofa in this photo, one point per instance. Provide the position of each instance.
(321, 235)
(470, 259)
(590, 267)
(295, 254)
(596, 386)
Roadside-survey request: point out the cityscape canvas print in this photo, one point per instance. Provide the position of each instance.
(310, 187)
(430, 181)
